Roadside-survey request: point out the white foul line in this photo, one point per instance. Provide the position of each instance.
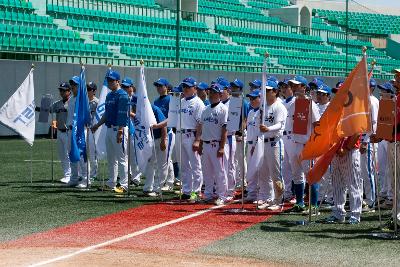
(125, 237)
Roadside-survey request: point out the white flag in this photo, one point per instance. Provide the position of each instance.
(100, 134)
(18, 113)
(144, 119)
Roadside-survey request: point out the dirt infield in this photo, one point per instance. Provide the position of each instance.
(124, 257)
(148, 235)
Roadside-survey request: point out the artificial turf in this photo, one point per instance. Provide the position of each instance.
(282, 239)
(34, 207)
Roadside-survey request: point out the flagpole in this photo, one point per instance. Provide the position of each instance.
(52, 143)
(262, 117)
(180, 148)
(129, 147)
(31, 171)
(243, 149)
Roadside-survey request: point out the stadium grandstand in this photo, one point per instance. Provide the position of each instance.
(230, 35)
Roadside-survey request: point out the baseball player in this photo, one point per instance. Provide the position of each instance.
(323, 95)
(237, 89)
(287, 174)
(253, 132)
(202, 89)
(213, 146)
(270, 183)
(191, 108)
(60, 108)
(162, 102)
(394, 148)
(130, 89)
(79, 171)
(256, 84)
(116, 119)
(298, 85)
(93, 102)
(368, 151)
(230, 164)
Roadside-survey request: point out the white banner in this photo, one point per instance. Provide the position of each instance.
(100, 134)
(18, 113)
(173, 113)
(144, 119)
(234, 111)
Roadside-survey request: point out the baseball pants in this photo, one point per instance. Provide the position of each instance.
(394, 148)
(62, 149)
(286, 169)
(230, 166)
(117, 157)
(191, 174)
(214, 170)
(156, 169)
(346, 175)
(368, 173)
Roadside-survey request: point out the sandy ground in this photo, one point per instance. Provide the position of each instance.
(110, 257)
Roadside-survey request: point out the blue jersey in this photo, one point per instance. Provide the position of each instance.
(206, 102)
(159, 118)
(116, 108)
(246, 108)
(163, 104)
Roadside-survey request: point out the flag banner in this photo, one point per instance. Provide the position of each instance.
(234, 112)
(301, 115)
(322, 163)
(144, 119)
(18, 113)
(45, 105)
(385, 119)
(347, 114)
(100, 134)
(81, 119)
(173, 112)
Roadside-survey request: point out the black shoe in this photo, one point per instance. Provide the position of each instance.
(134, 183)
(185, 196)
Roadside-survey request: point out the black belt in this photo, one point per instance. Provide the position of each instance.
(63, 130)
(250, 142)
(287, 132)
(212, 141)
(266, 140)
(187, 131)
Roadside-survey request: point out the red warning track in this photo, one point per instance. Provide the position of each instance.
(187, 235)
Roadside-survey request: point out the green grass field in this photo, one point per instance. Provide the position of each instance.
(28, 208)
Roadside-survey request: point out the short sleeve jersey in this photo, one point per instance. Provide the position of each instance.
(213, 119)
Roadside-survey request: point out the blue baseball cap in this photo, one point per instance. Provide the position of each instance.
(237, 83)
(372, 82)
(337, 86)
(75, 80)
(189, 81)
(255, 83)
(284, 81)
(91, 86)
(316, 82)
(64, 86)
(177, 89)
(272, 78)
(127, 82)
(299, 80)
(223, 82)
(161, 82)
(202, 86)
(113, 75)
(324, 89)
(387, 86)
(254, 93)
(216, 87)
(271, 85)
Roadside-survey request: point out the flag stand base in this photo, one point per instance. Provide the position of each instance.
(386, 236)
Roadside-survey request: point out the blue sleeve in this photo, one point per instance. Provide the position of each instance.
(122, 115)
(158, 114)
(246, 108)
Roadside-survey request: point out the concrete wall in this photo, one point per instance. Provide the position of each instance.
(47, 77)
(393, 48)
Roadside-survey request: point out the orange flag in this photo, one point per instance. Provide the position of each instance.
(322, 164)
(347, 114)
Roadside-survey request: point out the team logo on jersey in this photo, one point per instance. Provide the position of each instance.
(211, 119)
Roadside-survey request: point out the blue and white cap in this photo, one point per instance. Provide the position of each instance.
(372, 83)
(254, 93)
(189, 81)
(216, 87)
(255, 84)
(323, 88)
(127, 82)
(299, 80)
(271, 85)
(113, 75)
(202, 86)
(64, 86)
(237, 83)
(223, 82)
(75, 80)
(284, 81)
(387, 86)
(161, 82)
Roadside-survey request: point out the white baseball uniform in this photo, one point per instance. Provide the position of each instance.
(392, 149)
(368, 159)
(253, 132)
(191, 174)
(384, 179)
(287, 174)
(274, 119)
(92, 146)
(213, 119)
(346, 176)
